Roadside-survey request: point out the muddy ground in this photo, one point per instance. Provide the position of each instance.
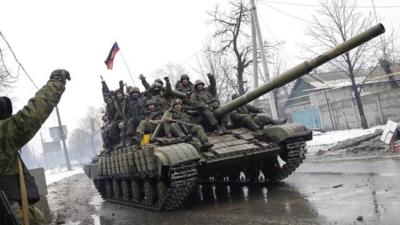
(324, 190)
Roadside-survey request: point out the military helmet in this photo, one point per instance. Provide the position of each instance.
(176, 101)
(150, 102)
(184, 76)
(234, 96)
(128, 89)
(135, 89)
(159, 81)
(197, 82)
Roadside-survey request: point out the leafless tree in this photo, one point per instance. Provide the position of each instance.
(233, 39)
(91, 123)
(335, 22)
(6, 78)
(171, 70)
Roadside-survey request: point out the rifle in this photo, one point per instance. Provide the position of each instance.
(6, 211)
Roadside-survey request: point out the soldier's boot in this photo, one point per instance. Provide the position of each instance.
(219, 130)
(225, 130)
(251, 125)
(129, 140)
(138, 138)
(206, 146)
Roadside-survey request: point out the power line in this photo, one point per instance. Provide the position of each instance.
(287, 14)
(318, 6)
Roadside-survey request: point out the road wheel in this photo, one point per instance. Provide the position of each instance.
(108, 189)
(252, 175)
(136, 191)
(125, 190)
(162, 191)
(116, 189)
(149, 192)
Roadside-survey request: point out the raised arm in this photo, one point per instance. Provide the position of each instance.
(18, 129)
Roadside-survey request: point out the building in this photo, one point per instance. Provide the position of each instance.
(325, 100)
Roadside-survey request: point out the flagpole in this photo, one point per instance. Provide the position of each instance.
(126, 65)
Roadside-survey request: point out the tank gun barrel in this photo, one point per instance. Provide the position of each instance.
(301, 69)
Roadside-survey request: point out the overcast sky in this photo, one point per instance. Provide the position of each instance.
(77, 35)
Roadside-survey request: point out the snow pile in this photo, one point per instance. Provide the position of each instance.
(326, 140)
(58, 174)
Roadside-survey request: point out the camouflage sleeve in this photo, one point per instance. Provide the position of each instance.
(196, 103)
(17, 130)
(213, 85)
(146, 84)
(253, 109)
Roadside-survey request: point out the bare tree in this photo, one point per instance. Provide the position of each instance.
(233, 40)
(91, 123)
(171, 70)
(6, 78)
(336, 22)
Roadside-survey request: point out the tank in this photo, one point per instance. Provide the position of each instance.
(161, 175)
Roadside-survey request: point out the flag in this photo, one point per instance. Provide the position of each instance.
(110, 58)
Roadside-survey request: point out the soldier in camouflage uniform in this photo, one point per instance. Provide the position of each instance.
(136, 111)
(156, 94)
(181, 124)
(254, 113)
(15, 131)
(184, 85)
(115, 110)
(146, 84)
(106, 134)
(153, 117)
(205, 101)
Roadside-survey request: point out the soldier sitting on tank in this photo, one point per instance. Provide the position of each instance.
(152, 119)
(108, 141)
(205, 101)
(158, 96)
(184, 85)
(115, 105)
(136, 111)
(147, 86)
(180, 124)
(255, 112)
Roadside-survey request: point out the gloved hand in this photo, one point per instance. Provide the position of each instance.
(209, 75)
(141, 77)
(61, 75)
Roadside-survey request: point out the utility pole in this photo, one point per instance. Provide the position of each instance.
(272, 102)
(62, 135)
(254, 47)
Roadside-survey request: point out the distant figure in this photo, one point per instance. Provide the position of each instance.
(15, 131)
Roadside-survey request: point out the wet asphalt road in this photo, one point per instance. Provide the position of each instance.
(362, 191)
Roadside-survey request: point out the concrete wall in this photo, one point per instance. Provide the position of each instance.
(380, 103)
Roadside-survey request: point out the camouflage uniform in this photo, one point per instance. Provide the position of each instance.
(148, 125)
(254, 113)
(136, 111)
(115, 110)
(15, 132)
(183, 125)
(187, 89)
(205, 101)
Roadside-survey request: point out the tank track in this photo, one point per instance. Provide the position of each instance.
(183, 180)
(272, 170)
(296, 153)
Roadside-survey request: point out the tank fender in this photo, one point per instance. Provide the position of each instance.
(170, 155)
(283, 132)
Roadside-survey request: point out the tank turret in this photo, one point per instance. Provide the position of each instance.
(301, 69)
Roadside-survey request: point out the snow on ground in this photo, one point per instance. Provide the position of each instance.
(57, 174)
(332, 137)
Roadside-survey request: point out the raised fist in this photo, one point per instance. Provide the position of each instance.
(141, 77)
(209, 75)
(166, 79)
(61, 75)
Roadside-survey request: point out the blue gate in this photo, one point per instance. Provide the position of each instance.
(310, 118)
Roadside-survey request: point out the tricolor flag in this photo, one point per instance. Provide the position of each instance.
(110, 58)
